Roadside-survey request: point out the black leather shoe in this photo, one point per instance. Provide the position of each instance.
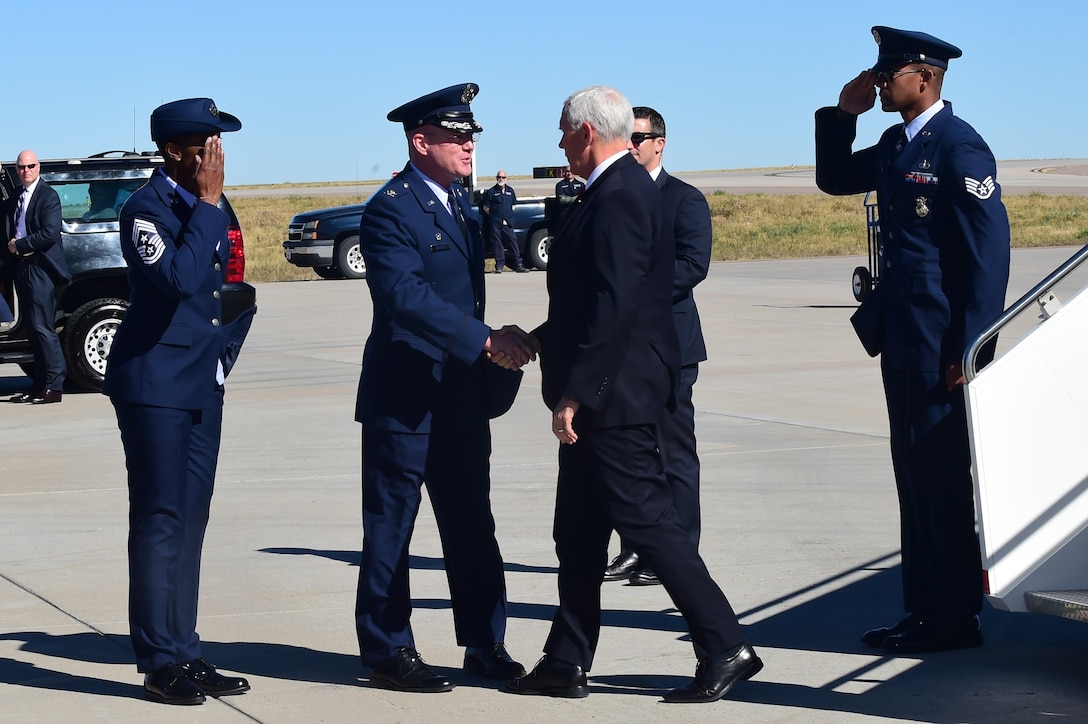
(494, 662)
(933, 635)
(521, 270)
(716, 675)
(46, 397)
(876, 636)
(498, 270)
(622, 566)
(204, 675)
(169, 685)
(552, 677)
(23, 397)
(645, 577)
(406, 671)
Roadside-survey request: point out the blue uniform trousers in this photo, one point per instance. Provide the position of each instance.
(453, 461)
(612, 478)
(931, 458)
(171, 456)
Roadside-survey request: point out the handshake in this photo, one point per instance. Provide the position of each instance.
(511, 347)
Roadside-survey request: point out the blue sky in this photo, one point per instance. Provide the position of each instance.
(312, 81)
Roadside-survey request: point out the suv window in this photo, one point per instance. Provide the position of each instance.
(93, 201)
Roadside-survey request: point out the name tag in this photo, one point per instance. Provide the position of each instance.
(439, 247)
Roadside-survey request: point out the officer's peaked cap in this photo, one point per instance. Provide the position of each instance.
(896, 47)
(191, 115)
(447, 108)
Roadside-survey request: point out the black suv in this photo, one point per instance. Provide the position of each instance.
(92, 191)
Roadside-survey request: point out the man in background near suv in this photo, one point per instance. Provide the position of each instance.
(32, 219)
(165, 378)
(498, 205)
(687, 218)
(567, 191)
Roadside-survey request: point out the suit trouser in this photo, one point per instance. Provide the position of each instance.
(171, 457)
(931, 457)
(503, 236)
(455, 465)
(679, 454)
(38, 309)
(612, 478)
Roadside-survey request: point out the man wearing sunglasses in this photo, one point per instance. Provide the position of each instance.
(498, 207)
(943, 272)
(32, 219)
(687, 219)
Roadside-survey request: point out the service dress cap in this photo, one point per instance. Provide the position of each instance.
(447, 108)
(897, 47)
(191, 115)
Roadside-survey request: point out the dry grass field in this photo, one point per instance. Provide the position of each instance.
(746, 226)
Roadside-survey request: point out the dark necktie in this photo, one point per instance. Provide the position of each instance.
(456, 211)
(902, 142)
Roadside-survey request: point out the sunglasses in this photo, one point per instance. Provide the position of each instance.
(637, 138)
(24, 166)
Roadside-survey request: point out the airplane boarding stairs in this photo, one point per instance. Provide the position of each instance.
(1027, 415)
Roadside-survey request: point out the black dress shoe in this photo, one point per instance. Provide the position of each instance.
(552, 677)
(169, 685)
(494, 662)
(521, 270)
(498, 270)
(406, 671)
(876, 636)
(716, 675)
(645, 577)
(204, 675)
(23, 397)
(46, 397)
(622, 566)
(933, 635)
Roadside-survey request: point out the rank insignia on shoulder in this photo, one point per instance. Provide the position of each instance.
(982, 189)
(149, 245)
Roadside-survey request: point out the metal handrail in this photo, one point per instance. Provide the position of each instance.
(1034, 296)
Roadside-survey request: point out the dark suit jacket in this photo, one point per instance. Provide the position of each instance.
(166, 351)
(609, 341)
(42, 244)
(945, 233)
(687, 219)
(426, 281)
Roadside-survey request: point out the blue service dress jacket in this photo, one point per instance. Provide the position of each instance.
(945, 232)
(172, 339)
(427, 285)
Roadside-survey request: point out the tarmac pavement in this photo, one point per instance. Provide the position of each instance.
(800, 528)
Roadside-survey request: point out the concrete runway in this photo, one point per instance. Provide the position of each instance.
(1051, 176)
(800, 529)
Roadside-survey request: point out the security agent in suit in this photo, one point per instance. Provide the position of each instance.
(687, 219)
(32, 218)
(498, 205)
(426, 393)
(165, 379)
(609, 362)
(944, 271)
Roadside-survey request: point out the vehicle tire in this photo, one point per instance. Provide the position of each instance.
(862, 283)
(539, 243)
(328, 272)
(88, 337)
(349, 259)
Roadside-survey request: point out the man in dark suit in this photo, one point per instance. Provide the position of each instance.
(609, 362)
(944, 269)
(32, 220)
(165, 378)
(426, 393)
(687, 219)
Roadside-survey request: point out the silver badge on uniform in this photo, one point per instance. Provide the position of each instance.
(920, 207)
(390, 192)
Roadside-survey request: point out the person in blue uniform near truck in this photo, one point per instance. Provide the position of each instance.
(165, 378)
(944, 270)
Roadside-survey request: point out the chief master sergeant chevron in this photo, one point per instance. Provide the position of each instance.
(943, 274)
(165, 380)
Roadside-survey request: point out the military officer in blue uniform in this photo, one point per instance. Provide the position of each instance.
(944, 269)
(165, 380)
(429, 385)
